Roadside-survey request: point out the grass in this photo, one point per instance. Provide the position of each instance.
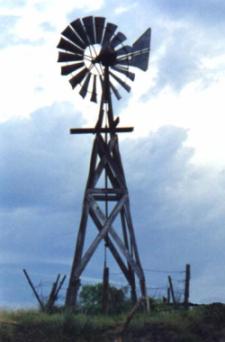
(199, 324)
(32, 325)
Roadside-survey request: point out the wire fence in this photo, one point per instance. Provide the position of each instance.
(157, 285)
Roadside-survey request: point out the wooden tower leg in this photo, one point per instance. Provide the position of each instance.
(74, 282)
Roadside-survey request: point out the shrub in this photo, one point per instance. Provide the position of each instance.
(91, 299)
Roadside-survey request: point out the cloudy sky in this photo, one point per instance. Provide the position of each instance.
(174, 161)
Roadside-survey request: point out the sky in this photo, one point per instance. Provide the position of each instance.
(174, 161)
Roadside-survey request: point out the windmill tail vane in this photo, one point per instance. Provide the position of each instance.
(93, 56)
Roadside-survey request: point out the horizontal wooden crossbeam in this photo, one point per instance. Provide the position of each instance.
(101, 130)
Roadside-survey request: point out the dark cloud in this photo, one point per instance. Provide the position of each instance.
(36, 153)
(177, 208)
(181, 62)
(41, 176)
(194, 32)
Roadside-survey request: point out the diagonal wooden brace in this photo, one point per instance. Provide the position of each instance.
(102, 234)
(101, 217)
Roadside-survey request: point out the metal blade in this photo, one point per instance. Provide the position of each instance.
(122, 83)
(68, 57)
(94, 93)
(67, 46)
(70, 34)
(109, 32)
(99, 27)
(89, 27)
(124, 71)
(75, 80)
(115, 91)
(67, 69)
(84, 88)
(117, 39)
(79, 29)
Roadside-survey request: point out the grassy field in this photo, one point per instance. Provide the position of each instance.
(206, 323)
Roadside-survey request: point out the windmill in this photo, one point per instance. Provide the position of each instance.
(99, 65)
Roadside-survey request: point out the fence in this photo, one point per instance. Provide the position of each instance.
(171, 286)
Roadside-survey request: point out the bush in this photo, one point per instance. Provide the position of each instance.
(90, 299)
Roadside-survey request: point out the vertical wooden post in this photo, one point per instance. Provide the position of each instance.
(187, 286)
(52, 298)
(56, 287)
(168, 295)
(60, 286)
(171, 289)
(105, 291)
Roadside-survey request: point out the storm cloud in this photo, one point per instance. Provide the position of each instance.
(177, 207)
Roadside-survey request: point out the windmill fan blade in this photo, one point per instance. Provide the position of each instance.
(84, 88)
(129, 74)
(117, 39)
(99, 27)
(70, 34)
(67, 46)
(109, 32)
(79, 29)
(68, 57)
(67, 69)
(115, 91)
(122, 83)
(75, 80)
(94, 93)
(89, 26)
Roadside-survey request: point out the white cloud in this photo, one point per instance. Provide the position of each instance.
(125, 8)
(29, 72)
(197, 108)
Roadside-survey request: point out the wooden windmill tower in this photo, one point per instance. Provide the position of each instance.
(97, 61)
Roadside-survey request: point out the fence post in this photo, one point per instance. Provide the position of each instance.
(105, 291)
(187, 286)
(171, 289)
(168, 295)
(34, 290)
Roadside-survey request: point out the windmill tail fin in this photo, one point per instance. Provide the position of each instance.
(142, 47)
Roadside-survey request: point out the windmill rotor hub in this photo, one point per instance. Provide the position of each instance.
(107, 57)
(91, 53)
